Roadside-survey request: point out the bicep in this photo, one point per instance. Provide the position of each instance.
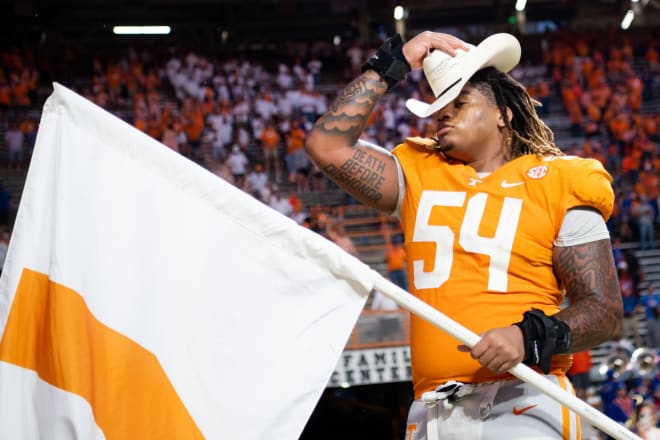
(586, 269)
(365, 171)
(582, 255)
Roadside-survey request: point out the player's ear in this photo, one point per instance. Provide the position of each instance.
(500, 120)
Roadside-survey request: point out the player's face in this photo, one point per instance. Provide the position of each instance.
(470, 127)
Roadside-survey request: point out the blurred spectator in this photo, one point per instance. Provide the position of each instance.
(356, 56)
(194, 124)
(299, 214)
(298, 162)
(650, 299)
(645, 216)
(655, 394)
(279, 203)
(237, 163)
(270, 142)
(314, 65)
(621, 407)
(221, 123)
(322, 218)
(395, 258)
(543, 96)
(256, 183)
(284, 79)
(617, 253)
(29, 128)
(653, 329)
(608, 389)
(634, 269)
(644, 420)
(303, 171)
(630, 302)
(579, 373)
(170, 138)
(15, 141)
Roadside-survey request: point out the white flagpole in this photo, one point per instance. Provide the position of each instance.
(521, 371)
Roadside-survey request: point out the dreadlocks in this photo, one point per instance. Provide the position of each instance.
(529, 134)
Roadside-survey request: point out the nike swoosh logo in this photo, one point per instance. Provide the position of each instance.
(506, 184)
(517, 412)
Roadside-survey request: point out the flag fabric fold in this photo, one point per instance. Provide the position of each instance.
(142, 296)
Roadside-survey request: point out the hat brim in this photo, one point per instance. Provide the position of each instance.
(501, 51)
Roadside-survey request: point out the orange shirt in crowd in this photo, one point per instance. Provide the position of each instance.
(19, 92)
(270, 138)
(575, 113)
(295, 138)
(140, 124)
(618, 126)
(151, 81)
(395, 257)
(542, 89)
(28, 126)
(582, 48)
(581, 363)
(195, 123)
(113, 78)
(593, 112)
(630, 162)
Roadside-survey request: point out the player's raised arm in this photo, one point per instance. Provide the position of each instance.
(369, 173)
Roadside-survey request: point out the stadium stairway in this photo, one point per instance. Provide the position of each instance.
(369, 230)
(649, 263)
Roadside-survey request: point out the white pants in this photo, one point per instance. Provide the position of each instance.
(508, 409)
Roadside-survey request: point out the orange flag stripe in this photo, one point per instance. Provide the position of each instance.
(50, 330)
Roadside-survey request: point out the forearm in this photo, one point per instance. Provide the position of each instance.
(588, 274)
(345, 120)
(367, 173)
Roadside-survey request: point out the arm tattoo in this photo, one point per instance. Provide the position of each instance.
(362, 174)
(348, 115)
(588, 274)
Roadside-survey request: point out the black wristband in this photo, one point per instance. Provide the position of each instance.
(389, 62)
(543, 337)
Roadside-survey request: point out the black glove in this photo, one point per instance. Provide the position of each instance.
(389, 62)
(543, 337)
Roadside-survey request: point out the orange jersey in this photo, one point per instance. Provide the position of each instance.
(479, 249)
(395, 258)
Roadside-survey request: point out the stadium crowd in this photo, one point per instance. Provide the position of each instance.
(246, 120)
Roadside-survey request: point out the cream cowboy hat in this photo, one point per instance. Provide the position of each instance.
(447, 75)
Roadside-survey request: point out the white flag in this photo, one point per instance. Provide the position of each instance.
(143, 297)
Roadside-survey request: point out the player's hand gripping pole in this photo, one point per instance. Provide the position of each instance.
(521, 371)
